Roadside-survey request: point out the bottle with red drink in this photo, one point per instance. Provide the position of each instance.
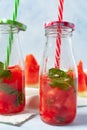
(58, 75)
(12, 79)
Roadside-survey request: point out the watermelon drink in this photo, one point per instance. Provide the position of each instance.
(12, 75)
(58, 97)
(12, 96)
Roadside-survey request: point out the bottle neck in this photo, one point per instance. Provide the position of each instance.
(6, 29)
(55, 31)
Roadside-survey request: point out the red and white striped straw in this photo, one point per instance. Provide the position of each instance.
(58, 40)
(60, 10)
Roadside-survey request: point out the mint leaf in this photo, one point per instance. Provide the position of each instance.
(1, 65)
(5, 74)
(60, 79)
(7, 89)
(60, 83)
(19, 96)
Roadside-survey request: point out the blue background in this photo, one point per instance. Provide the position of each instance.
(34, 13)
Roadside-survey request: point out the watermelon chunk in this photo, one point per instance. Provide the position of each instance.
(31, 71)
(85, 74)
(82, 80)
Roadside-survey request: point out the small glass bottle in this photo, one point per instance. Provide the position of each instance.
(58, 75)
(12, 79)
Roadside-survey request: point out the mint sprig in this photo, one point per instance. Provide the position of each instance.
(7, 89)
(4, 73)
(60, 79)
(1, 65)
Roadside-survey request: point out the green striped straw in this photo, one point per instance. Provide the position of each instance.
(15, 13)
(9, 47)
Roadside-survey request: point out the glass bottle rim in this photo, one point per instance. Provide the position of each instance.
(13, 24)
(61, 24)
(59, 28)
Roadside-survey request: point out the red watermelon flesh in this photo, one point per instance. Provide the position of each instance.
(85, 74)
(31, 71)
(82, 80)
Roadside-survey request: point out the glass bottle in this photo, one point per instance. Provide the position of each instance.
(12, 79)
(58, 75)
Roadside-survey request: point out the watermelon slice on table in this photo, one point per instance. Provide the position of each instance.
(82, 80)
(31, 71)
(85, 74)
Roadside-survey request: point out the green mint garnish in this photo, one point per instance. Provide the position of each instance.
(4, 73)
(60, 79)
(19, 98)
(6, 88)
(1, 65)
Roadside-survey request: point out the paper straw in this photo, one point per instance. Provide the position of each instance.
(9, 47)
(58, 40)
(60, 10)
(15, 12)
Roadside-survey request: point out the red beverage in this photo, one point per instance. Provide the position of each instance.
(12, 96)
(58, 75)
(57, 106)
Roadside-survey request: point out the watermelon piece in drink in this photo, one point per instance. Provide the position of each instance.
(12, 96)
(57, 104)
